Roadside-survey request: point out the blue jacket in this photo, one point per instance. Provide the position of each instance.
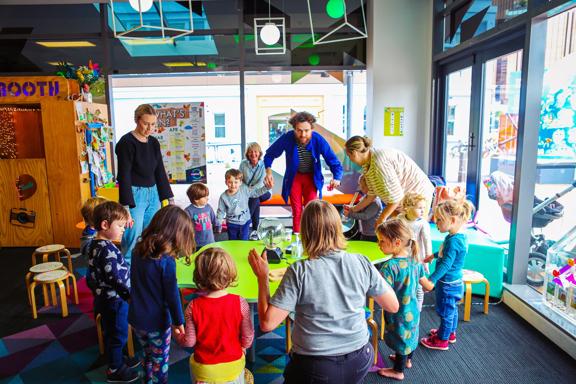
(317, 145)
(449, 266)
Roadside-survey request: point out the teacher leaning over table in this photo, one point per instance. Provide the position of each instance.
(327, 293)
(389, 174)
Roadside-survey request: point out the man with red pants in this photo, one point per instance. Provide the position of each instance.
(303, 177)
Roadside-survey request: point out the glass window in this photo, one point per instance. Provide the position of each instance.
(219, 125)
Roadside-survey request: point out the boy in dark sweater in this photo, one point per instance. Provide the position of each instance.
(202, 214)
(109, 279)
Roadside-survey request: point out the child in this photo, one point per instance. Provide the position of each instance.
(202, 214)
(155, 304)
(414, 206)
(367, 216)
(109, 279)
(233, 205)
(450, 216)
(403, 272)
(89, 232)
(218, 324)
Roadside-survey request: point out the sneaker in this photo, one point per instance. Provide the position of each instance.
(254, 236)
(433, 342)
(451, 339)
(121, 375)
(132, 362)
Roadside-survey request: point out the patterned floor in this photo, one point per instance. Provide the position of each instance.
(66, 351)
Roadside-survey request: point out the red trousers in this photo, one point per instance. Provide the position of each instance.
(302, 188)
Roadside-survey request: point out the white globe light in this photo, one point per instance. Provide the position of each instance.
(270, 34)
(144, 5)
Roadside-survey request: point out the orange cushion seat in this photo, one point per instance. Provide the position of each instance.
(336, 199)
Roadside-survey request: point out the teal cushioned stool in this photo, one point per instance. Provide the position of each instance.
(484, 256)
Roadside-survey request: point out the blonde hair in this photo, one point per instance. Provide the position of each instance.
(461, 208)
(321, 229)
(396, 229)
(143, 109)
(411, 199)
(214, 270)
(87, 210)
(360, 144)
(253, 147)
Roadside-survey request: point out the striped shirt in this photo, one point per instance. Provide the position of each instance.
(390, 173)
(305, 161)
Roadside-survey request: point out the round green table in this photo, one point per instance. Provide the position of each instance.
(247, 285)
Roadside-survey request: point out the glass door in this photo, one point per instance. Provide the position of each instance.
(457, 127)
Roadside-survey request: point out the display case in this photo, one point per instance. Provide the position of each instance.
(560, 278)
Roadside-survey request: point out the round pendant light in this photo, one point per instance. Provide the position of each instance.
(143, 6)
(335, 8)
(270, 34)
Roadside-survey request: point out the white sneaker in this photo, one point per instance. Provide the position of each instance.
(254, 235)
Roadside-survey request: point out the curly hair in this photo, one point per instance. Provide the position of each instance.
(302, 117)
(214, 270)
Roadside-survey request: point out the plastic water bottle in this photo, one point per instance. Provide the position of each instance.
(296, 246)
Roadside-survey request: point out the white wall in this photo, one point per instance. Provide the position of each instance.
(399, 55)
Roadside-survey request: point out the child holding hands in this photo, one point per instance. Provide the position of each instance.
(450, 216)
(404, 272)
(233, 205)
(218, 324)
(155, 308)
(415, 207)
(202, 214)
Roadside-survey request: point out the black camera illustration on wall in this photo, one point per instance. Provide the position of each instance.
(22, 217)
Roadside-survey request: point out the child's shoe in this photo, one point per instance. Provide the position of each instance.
(121, 375)
(254, 235)
(433, 342)
(132, 362)
(451, 338)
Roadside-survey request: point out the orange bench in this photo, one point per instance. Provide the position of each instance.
(336, 199)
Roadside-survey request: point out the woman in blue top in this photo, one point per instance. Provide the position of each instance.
(252, 168)
(450, 216)
(155, 305)
(303, 177)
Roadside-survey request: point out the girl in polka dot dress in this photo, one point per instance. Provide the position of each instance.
(403, 272)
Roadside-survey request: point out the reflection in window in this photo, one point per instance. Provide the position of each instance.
(219, 125)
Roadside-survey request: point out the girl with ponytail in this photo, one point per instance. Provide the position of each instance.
(404, 272)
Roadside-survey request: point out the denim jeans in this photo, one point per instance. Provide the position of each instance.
(350, 368)
(115, 325)
(147, 204)
(239, 231)
(447, 297)
(254, 206)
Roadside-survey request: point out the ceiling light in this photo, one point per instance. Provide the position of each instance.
(57, 63)
(65, 44)
(141, 5)
(270, 34)
(178, 64)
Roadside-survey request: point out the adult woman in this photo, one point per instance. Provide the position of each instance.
(327, 293)
(389, 174)
(142, 179)
(253, 172)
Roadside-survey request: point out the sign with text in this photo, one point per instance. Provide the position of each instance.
(36, 88)
(394, 121)
(182, 137)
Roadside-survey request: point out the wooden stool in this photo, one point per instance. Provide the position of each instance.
(248, 376)
(472, 277)
(53, 279)
(129, 342)
(53, 249)
(41, 268)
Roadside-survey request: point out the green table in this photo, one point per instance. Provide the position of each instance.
(247, 285)
(484, 256)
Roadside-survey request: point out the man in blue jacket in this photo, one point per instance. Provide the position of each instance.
(303, 177)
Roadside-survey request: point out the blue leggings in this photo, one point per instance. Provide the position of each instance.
(156, 346)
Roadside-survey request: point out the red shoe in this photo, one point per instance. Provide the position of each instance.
(451, 339)
(433, 342)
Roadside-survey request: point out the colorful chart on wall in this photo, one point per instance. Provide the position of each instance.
(182, 137)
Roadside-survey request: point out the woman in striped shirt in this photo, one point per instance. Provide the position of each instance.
(389, 174)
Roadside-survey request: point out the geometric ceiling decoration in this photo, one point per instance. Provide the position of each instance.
(150, 17)
(337, 9)
(470, 26)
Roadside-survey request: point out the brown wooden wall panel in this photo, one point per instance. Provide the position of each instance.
(29, 136)
(63, 170)
(17, 236)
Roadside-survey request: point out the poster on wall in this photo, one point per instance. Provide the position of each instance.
(394, 121)
(182, 137)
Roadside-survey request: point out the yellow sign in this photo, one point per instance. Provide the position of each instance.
(394, 121)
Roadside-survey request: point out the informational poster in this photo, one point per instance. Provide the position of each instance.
(182, 136)
(394, 121)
